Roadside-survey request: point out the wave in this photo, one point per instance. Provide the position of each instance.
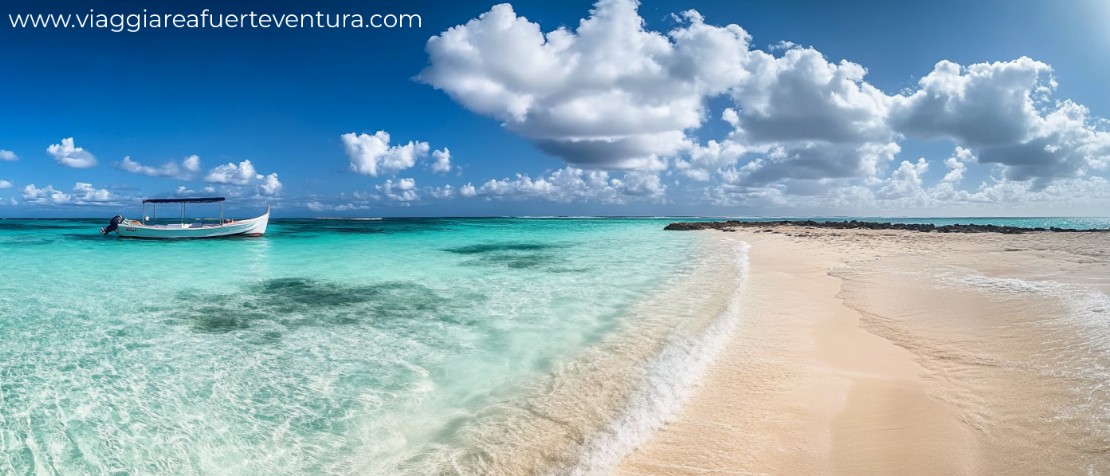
(590, 410)
(671, 377)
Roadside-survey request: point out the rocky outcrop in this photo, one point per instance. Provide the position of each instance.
(732, 225)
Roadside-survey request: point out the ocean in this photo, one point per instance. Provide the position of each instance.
(338, 346)
(493, 345)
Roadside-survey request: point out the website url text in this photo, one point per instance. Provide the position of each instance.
(136, 22)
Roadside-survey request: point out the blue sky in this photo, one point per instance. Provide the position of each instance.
(592, 131)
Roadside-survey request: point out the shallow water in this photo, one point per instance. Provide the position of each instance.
(1015, 337)
(334, 346)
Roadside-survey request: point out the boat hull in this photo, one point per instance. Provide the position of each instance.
(252, 227)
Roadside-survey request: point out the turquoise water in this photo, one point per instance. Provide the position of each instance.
(334, 346)
(355, 346)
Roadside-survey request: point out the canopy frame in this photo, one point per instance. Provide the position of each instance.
(155, 201)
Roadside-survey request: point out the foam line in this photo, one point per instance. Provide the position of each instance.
(671, 377)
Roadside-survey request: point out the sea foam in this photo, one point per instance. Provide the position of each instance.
(672, 376)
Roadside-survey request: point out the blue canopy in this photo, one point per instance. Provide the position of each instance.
(184, 200)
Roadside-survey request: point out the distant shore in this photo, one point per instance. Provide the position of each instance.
(884, 350)
(733, 225)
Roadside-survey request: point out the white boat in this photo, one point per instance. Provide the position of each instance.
(148, 227)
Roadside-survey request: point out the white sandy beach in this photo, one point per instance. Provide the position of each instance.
(904, 353)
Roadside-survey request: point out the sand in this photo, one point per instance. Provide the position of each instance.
(887, 352)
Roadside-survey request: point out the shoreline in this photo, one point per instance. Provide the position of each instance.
(831, 369)
(596, 406)
(732, 225)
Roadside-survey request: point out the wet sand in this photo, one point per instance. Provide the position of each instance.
(862, 351)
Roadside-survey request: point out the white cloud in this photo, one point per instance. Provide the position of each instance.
(985, 104)
(245, 174)
(443, 160)
(5, 184)
(83, 194)
(443, 192)
(403, 190)
(270, 185)
(957, 165)
(805, 130)
(230, 173)
(183, 190)
(185, 171)
(801, 96)
(607, 95)
(571, 184)
(714, 155)
(816, 161)
(7, 155)
(191, 163)
(611, 95)
(1003, 111)
(69, 155)
(318, 206)
(906, 181)
(373, 155)
(45, 196)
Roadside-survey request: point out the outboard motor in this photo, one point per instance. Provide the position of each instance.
(112, 225)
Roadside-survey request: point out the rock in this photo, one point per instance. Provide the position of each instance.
(732, 225)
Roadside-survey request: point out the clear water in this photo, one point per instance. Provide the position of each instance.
(350, 346)
(326, 346)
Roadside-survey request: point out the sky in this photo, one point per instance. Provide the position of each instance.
(729, 108)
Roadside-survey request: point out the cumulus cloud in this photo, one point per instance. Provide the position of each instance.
(230, 173)
(801, 96)
(1002, 110)
(985, 104)
(44, 196)
(957, 165)
(245, 174)
(188, 167)
(7, 155)
(5, 184)
(69, 155)
(373, 155)
(83, 193)
(270, 185)
(817, 161)
(906, 180)
(443, 192)
(442, 162)
(571, 184)
(612, 95)
(318, 206)
(608, 94)
(1065, 144)
(402, 190)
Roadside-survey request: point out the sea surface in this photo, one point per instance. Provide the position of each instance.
(332, 346)
(341, 346)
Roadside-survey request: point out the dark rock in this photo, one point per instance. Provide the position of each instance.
(732, 225)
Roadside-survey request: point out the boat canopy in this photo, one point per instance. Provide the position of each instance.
(184, 200)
